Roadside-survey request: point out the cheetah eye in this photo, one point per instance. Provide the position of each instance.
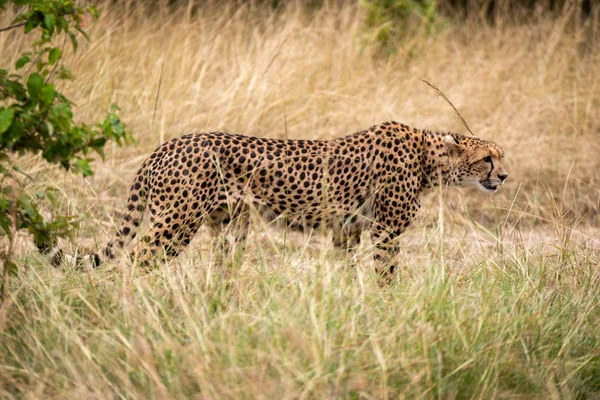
(488, 159)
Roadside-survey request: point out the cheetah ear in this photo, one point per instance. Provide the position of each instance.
(453, 145)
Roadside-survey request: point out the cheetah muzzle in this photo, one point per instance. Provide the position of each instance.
(488, 186)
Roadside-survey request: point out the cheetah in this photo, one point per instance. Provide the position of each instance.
(370, 180)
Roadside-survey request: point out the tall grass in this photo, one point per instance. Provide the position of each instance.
(501, 302)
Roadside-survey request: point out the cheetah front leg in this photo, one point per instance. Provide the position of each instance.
(386, 250)
(165, 241)
(394, 210)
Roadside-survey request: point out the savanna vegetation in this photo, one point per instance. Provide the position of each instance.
(497, 296)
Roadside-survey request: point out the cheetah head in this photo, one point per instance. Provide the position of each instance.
(475, 162)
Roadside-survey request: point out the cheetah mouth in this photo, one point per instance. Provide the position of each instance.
(487, 186)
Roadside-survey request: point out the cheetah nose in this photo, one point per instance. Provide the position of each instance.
(503, 177)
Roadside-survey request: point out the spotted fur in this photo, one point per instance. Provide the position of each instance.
(371, 179)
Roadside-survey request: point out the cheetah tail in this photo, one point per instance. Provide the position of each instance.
(136, 204)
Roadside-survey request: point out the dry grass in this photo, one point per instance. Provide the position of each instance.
(503, 302)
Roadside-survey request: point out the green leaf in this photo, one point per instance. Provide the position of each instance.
(54, 55)
(6, 118)
(34, 84)
(85, 35)
(83, 166)
(117, 126)
(21, 62)
(16, 130)
(50, 194)
(25, 202)
(49, 21)
(5, 224)
(63, 24)
(47, 94)
(73, 40)
(30, 25)
(10, 268)
(92, 10)
(64, 73)
(100, 151)
(19, 170)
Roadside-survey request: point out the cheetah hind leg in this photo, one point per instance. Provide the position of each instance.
(164, 242)
(385, 256)
(230, 230)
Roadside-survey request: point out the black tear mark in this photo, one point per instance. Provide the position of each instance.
(490, 173)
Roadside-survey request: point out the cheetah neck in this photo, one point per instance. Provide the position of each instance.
(435, 162)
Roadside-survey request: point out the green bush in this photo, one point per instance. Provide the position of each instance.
(389, 21)
(36, 119)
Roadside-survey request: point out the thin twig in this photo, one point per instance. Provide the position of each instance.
(441, 94)
(283, 104)
(12, 27)
(276, 53)
(158, 91)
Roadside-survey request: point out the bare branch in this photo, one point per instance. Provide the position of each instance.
(162, 67)
(283, 104)
(441, 94)
(12, 27)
